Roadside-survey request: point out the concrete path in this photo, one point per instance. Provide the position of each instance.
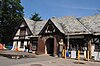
(44, 60)
(8, 62)
(60, 62)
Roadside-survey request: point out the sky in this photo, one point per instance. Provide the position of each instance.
(59, 8)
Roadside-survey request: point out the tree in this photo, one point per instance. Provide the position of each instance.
(36, 17)
(11, 13)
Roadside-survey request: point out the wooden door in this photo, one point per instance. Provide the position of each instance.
(40, 46)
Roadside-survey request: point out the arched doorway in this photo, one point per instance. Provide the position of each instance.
(50, 46)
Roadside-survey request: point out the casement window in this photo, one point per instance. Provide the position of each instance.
(22, 32)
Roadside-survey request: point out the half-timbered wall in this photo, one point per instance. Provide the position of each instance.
(22, 37)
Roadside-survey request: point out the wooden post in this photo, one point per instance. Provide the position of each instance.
(55, 46)
(88, 55)
(65, 53)
(85, 54)
(78, 54)
(67, 42)
(89, 48)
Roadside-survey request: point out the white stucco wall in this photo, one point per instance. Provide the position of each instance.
(20, 49)
(16, 37)
(18, 32)
(27, 37)
(19, 44)
(14, 45)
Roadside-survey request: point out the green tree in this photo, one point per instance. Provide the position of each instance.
(11, 13)
(36, 17)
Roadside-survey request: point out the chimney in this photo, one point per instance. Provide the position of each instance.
(53, 17)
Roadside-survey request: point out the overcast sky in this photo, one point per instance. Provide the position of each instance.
(60, 8)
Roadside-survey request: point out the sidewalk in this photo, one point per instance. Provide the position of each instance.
(60, 62)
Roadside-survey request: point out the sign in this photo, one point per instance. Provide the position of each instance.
(97, 56)
(73, 54)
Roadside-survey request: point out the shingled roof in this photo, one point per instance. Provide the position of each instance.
(92, 23)
(70, 25)
(35, 26)
(39, 26)
(30, 24)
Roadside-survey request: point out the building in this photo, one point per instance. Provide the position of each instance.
(77, 34)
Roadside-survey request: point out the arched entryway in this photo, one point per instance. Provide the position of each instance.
(50, 46)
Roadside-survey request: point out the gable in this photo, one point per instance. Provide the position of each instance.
(23, 30)
(49, 28)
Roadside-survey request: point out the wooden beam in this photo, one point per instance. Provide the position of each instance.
(96, 40)
(75, 37)
(68, 42)
(89, 47)
(55, 46)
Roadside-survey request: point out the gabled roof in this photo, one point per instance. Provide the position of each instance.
(69, 25)
(39, 26)
(30, 24)
(53, 27)
(35, 26)
(92, 23)
(57, 24)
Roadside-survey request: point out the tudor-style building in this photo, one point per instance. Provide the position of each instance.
(21, 37)
(45, 35)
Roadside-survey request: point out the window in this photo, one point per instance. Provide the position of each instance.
(22, 44)
(34, 43)
(22, 32)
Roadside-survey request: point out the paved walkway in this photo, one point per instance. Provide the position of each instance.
(60, 62)
(4, 61)
(44, 60)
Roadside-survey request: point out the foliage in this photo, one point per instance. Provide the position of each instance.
(36, 17)
(11, 13)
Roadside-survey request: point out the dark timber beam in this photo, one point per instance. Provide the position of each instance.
(55, 46)
(96, 40)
